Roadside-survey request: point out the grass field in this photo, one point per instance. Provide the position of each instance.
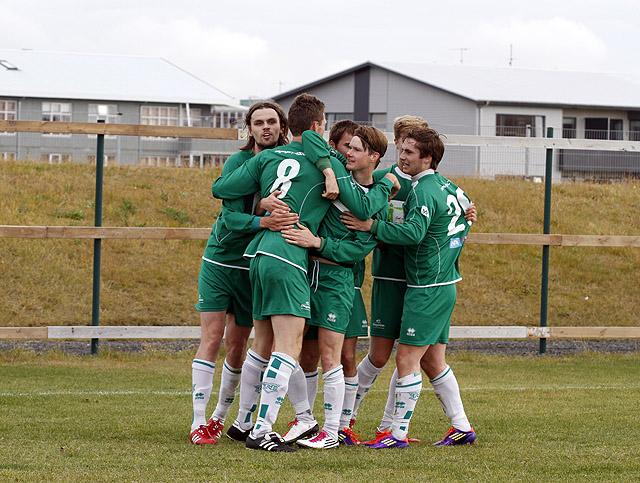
(147, 282)
(119, 417)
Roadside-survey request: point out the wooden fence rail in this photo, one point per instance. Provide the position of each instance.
(158, 233)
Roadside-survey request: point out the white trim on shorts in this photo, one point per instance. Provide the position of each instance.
(390, 279)
(434, 284)
(246, 255)
(223, 265)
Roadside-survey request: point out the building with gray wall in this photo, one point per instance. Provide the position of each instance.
(54, 86)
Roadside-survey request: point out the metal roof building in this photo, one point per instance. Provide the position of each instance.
(63, 86)
(484, 101)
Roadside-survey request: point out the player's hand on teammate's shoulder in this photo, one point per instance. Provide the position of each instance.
(471, 215)
(272, 203)
(301, 236)
(331, 190)
(354, 223)
(396, 184)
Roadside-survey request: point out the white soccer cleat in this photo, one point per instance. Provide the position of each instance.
(299, 430)
(319, 441)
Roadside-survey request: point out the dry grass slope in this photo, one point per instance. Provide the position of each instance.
(148, 282)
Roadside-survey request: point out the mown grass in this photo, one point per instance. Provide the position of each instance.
(119, 417)
(154, 282)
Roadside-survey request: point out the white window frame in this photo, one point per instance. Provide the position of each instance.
(6, 114)
(111, 117)
(159, 116)
(49, 113)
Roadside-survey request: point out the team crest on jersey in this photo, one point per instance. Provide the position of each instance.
(411, 332)
(332, 317)
(270, 387)
(445, 186)
(425, 211)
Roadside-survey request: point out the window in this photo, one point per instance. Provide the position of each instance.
(518, 125)
(96, 111)
(108, 159)
(214, 160)
(378, 120)
(55, 158)
(333, 117)
(569, 127)
(58, 112)
(8, 112)
(229, 119)
(603, 128)
(8, 65)
(159, 116)
(615, 129)
(634, 130)
(196, 117)
(159, 161)
(7, 156)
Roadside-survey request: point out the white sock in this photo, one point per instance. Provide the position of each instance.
(350, 390)
(312, 386)
(390, 407)
(250, 387)
(274, 389)
(408, 390)
(333, 398)
(298, 395)
(367, 374)
(229, 381)
(445, 385)
(202, 384)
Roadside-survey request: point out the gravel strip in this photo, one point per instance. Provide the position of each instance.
(503, 347)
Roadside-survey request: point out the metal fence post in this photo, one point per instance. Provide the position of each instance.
(97, 245)
(545, 248)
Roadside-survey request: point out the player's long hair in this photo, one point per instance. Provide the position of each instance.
(284, 124)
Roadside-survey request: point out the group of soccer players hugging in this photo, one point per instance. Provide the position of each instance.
(285, 259)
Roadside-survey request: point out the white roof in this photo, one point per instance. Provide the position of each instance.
(509, 85)
(64, 75)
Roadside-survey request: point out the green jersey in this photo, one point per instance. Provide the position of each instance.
(388, 260)
(236, 226)
(301, 184)
(434, 230)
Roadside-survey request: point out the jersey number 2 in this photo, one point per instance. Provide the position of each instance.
(287, 170)
(454, 202)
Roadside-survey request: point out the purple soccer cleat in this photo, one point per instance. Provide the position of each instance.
(390, 442)
(456, 437)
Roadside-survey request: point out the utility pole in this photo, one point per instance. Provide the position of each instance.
(510, 55)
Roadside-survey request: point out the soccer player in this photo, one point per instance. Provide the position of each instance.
(433, 232)
(280, 296)
(334, 253)
(339, 138)
(224, 291)
(389, 286)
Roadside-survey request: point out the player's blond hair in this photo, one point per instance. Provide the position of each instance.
(402, 124)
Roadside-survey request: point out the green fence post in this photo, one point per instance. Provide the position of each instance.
(545, 248)
(97, 245)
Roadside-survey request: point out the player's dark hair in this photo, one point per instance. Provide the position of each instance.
(284, 125)
(305, 110)
(428, 143)
(373, 140)
(339, 128)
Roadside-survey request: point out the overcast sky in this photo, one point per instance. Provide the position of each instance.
(259, 49)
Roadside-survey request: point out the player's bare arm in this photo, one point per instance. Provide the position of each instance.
(331, 190)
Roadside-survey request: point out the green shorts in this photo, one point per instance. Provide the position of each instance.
(279, 288)
(387, 299)
(331, 296)
(225, 288)
(427, 315)
(358, 325)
